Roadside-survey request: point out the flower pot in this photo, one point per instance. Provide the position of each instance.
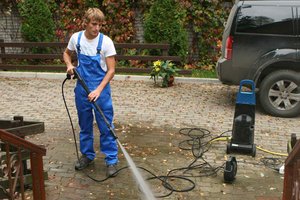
(171, 81)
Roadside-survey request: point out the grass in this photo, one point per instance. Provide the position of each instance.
(204, 73)
(195, 74)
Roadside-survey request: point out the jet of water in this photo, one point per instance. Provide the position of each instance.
(148, 195)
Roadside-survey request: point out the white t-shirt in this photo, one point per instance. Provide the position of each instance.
(89, 47)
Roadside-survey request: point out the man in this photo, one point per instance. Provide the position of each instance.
(96, 65)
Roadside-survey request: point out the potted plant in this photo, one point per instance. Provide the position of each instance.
(164, 69)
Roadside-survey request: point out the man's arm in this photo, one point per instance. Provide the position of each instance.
(67, 56)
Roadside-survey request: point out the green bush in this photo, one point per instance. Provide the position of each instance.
(37, 21)
(164, 23)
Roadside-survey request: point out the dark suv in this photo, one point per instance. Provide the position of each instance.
(261, 42)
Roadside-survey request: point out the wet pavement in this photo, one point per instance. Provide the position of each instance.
(148, 123)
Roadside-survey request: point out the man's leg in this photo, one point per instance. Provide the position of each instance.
(85, 118)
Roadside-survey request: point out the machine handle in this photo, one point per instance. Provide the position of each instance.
(247, 82)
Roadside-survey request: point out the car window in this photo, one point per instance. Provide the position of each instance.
(265, 20)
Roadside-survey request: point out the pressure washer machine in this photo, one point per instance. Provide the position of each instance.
(242, 140)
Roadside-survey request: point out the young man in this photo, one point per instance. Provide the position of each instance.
(96, 65)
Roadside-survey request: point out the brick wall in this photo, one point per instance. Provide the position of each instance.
(139, 27)
(10, 27)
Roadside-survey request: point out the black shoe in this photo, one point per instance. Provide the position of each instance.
(111, 170)
(82, 163)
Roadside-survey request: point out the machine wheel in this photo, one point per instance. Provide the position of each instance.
(279, 93)
(230, 170)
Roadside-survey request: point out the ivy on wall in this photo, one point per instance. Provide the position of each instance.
(119, 16)
(206, 18)
(68, 16)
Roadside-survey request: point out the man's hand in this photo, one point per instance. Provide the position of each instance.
(94, 95)
(70, 69)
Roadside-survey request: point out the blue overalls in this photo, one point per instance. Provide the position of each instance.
(91, 72)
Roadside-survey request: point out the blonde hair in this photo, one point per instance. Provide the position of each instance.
(93, 14)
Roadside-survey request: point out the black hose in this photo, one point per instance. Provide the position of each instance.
(64, 99)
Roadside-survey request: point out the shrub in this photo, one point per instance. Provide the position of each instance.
(164, 23)
(37, 22)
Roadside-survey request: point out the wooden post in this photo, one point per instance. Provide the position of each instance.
(165, 52)
(291, 189)
(36, 162)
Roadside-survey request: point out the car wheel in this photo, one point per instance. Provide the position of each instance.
(279, 93)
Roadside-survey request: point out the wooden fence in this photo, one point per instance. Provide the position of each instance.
(19, 56)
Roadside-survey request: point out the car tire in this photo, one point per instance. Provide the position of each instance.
(279, 93)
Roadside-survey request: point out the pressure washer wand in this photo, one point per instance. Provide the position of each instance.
(77, 75)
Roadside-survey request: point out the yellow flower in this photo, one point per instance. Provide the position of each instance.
(157, 69)
(157, 63)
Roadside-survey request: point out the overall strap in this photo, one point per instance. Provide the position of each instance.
(78, 42)
(100, 43)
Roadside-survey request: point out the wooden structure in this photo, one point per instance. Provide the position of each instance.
(10, 60)
(291, 187)
(15, 151)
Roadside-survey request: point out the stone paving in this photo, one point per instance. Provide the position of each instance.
(148, 120)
